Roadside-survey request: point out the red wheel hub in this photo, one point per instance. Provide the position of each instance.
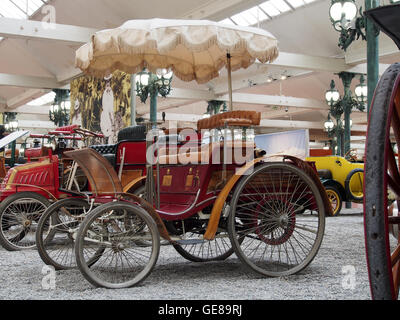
(274, 221)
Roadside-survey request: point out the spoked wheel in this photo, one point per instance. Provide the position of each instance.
(119, 228)
(382, 186)
(19, 216)
(335, 199)
(266, 229)
(57, 230)
(195, 248)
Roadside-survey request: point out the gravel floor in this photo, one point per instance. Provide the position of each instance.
(329, 276)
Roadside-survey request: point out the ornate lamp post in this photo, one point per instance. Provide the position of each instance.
(339, 106)
(150, 84)
(343, 16)
(332, 96)
(59, 111)
(342, 13)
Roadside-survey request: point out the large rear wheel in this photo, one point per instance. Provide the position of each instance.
(266, 229)
(382, 186)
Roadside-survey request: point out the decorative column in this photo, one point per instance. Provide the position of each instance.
(133, 100)
(372, 34)
(346, 78)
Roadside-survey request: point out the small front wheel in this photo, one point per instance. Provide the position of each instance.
(128, 240)
(266, 230)
(19, 216)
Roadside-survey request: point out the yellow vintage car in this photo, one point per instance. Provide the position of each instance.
(342, 177)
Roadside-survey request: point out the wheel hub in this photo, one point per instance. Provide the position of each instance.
(278, 226)
(118, 247)
(27, 223)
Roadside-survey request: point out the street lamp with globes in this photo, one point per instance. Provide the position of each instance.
(150, 84)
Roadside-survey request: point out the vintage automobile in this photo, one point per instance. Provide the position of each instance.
(382, 174)
(48, 175)
(269, 210)
(30, 186)
(342, 178)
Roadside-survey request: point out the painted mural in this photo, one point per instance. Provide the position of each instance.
(102, 105)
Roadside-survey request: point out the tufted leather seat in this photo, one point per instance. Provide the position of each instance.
(231, 118)
(104, 148)
(107, 151)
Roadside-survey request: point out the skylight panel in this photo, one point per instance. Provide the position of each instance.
(227, 21)
(20, 9)
(240, 20)
(10, 10)
(281, 5)
(33, 6)
(296, 3)
(254, 15)
(43, 100)
(270, 9)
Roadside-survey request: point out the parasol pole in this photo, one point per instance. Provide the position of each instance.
(228, 56)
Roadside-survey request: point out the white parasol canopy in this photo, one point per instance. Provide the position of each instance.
(193, 49)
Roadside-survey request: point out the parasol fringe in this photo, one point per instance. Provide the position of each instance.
(115, 49)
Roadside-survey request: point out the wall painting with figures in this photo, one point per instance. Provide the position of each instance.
(102, 104)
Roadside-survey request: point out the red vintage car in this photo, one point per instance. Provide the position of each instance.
(270, 211)
(49, 175)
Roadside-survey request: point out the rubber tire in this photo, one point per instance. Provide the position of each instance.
(231, 224)
(6, 202)
(349, 194)
(339, 199)
(85, 269)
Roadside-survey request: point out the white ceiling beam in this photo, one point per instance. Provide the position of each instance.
(28, 109)
(29, 124)
(191, 94)
(69, 75)
(29, 29)
(362, 68)
(258, 77)
(301, 61)
(25, 97)
(28, 81)
(176, 117)
(250, 98)
(163, 106)
(289, 111)
(357, 52)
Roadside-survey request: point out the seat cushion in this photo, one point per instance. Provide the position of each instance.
(232, 118)
(137, 133)
(107, 151)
